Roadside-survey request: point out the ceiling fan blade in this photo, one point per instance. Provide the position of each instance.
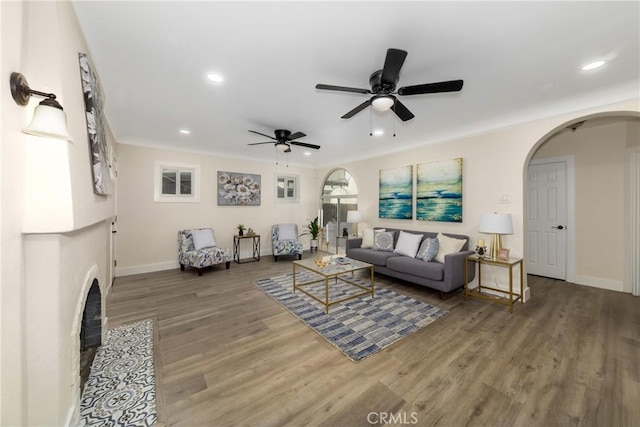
(449, 86)
(343, 89)
(296, 135)
(304, 144)
(401, 111)
(356, 110)
(392, 65)
(258, 143)
(267, 136)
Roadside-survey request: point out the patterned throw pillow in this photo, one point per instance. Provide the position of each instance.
(383, 241)
(430, 249)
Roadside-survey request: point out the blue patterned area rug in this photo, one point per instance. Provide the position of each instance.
(120, 390)
(360, 327)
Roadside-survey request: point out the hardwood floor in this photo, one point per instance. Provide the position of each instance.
(228, 355)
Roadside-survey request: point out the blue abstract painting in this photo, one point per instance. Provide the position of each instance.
(439, 191)
(395, 197)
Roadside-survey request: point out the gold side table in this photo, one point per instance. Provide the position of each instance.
(509, 296)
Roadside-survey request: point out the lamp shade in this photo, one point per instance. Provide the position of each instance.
(282, 147)
(48, 121)
(382, 102)
(354, 217)
(496, 223)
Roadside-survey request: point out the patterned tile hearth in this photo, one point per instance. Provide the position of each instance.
(360, 327)
(120, 390)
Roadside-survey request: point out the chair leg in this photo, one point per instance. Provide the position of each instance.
(299, 256)
(200, 271)
(228, 264)
(276, 258)
(181, 267)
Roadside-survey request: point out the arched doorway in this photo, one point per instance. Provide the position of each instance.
(339, 196)
(600, 157)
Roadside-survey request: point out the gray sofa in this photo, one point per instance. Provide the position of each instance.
(445, 277)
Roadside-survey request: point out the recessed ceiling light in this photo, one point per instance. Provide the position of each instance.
(593, 65)
(378, 132)
(185, 131)
(215, 77)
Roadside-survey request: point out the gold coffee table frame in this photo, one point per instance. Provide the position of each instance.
(332, 271)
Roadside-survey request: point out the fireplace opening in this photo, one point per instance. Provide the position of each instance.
(90, 331)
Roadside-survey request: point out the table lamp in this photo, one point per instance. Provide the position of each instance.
(354, 217)
(495, 224)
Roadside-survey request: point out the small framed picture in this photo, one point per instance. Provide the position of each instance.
(503, 255)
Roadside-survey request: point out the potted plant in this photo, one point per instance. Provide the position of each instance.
(241, 229)
(313, 229)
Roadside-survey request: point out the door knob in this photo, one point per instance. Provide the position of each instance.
(559, 227)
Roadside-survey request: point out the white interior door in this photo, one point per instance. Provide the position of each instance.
(547, 220)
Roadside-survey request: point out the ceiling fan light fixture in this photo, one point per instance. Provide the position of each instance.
(282, 147)
(382, 102)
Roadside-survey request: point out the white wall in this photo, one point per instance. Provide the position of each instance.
(147, 230)
(46, 187)
(599, 175)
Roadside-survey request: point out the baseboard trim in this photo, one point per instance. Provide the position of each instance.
(597, 282)
(148, 268)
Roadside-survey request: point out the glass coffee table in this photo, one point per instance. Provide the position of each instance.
(332, 269)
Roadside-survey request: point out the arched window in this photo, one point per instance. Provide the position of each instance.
(339, 195)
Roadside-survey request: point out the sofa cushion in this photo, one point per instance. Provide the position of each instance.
(370, 256)
(203, 238)
(416, 267)
(383, 241)
(408, 244)
(448, 245)
(428, 249)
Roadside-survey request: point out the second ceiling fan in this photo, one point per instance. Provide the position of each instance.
(284, 139)
(383, 85)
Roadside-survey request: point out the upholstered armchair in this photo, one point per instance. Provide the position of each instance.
(198, 248)
(284, 240)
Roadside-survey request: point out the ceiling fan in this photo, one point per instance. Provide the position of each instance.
(284, 139)
(383, 84)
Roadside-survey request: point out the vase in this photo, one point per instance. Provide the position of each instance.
(314, 245)
(240, 233)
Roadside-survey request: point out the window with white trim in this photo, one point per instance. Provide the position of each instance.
(287, 188)
(176, 182)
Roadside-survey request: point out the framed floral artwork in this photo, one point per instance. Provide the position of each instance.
(239, 189)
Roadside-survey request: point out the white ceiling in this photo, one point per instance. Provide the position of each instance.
(519, 61)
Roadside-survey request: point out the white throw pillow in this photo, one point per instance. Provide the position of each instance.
(287, 232)
(367, 238)
(408, 244)
(203, 238)
(448, 245)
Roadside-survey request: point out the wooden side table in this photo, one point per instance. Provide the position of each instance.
(256, 247)
(510, 296)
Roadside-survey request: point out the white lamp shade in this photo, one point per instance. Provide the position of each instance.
(49, 122)
(496, 223)
(354, 217)
(282, 147)
(382, 103)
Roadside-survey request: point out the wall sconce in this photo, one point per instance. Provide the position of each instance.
(49, 120)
